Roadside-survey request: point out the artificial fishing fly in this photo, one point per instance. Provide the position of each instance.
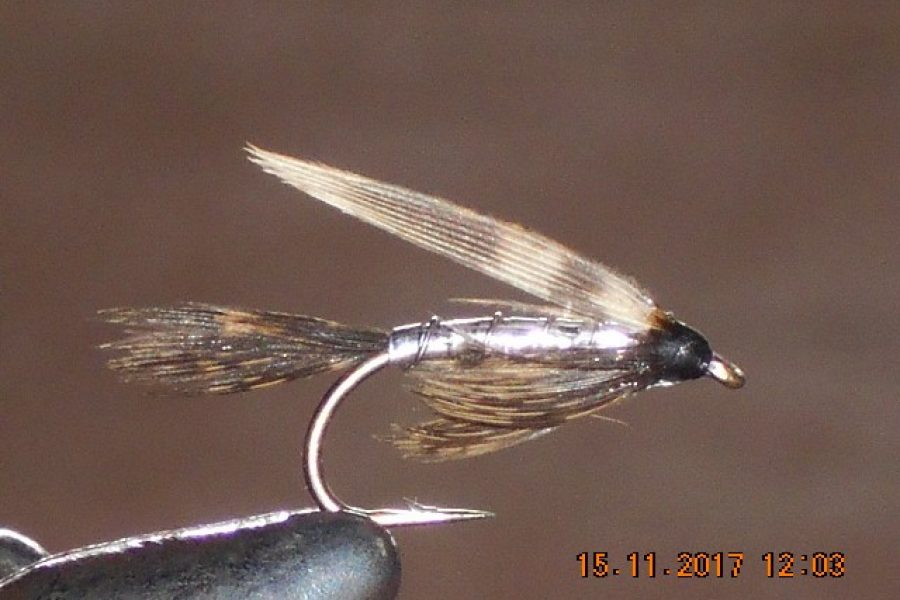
(492, 381)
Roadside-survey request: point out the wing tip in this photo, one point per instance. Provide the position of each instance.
(264, 158)
(309, 176)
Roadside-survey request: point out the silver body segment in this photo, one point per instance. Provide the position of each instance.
(519, 339)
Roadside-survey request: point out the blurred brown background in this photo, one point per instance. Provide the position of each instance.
(743, 162)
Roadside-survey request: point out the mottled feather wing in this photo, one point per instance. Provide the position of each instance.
(505, 251)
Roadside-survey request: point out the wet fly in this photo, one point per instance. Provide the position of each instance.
(492, 382)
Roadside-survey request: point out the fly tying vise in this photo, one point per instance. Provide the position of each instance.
(493, 382)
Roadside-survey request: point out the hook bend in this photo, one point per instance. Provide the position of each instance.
(415, 513)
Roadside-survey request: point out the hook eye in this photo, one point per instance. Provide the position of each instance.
(725, 372)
